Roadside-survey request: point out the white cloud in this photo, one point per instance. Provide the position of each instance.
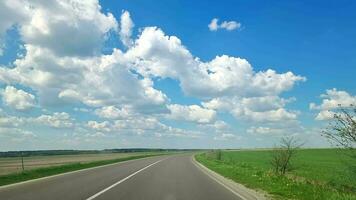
(227, 136)
(57, 120)
(164, 56)
(96, 81)
(325, 115)
(213, 26)
(148, 126)
(102, 80)
(64, 66)
(193, 113)
(332, 100)
(227, 25)
(111, 112)
(290, 128)
(17, 99)
(265, 131)
(126, 26)
(85, 110)
(278, 115)
(67, 28)
(99, 126)
(220, 125)
(231, 25)
(255, 109)
(11, 121)
(11, 12)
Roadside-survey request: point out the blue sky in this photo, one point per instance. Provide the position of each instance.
(118, 74)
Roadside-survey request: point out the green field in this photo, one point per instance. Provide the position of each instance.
(316, 173)
(53, 170)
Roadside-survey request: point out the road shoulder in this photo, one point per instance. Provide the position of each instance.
(236, 188)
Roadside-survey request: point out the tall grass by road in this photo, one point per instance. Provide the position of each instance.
(317, 173)
(48, 171)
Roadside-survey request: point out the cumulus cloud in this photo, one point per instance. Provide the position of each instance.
(17, 99)
(11, 12)
(193, 113)
(277, 129)
(227, 25)
(57, 120)
(149, 126)
(64, 37)
(255, 109)
(96, 81)
(102, 80)
(126, 26)
(164, 56)
(64, 65)
(261, 130)
(99, 126)
(332, 100)
(67, 28)
(220, 125)
(325, 115)
(11, 121)
(112, 112)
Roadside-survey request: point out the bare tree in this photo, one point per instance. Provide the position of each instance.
(283, 154)
(342, 130)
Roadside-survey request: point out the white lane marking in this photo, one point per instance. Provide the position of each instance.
(122, 180)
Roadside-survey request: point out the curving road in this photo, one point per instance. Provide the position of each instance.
(170, 177)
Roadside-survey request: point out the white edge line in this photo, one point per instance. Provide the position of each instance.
(71, 172)
(201, 167)
(122, 180)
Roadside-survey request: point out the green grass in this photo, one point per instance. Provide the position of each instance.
(48, 171)
(316, 174)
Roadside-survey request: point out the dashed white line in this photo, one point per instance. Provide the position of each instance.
(122, 180)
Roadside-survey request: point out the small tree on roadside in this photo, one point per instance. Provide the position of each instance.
(342, 132)
(283, 154)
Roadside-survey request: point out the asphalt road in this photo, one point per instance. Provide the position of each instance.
(158, 178)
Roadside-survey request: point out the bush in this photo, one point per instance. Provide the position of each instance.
(218, 154)
(282, 155)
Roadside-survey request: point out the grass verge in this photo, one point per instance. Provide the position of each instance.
(317, 174)
(49, 171)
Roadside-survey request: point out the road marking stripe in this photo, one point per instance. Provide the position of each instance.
(122, 180)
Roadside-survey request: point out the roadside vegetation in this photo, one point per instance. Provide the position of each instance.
(48, 171)
(314, 173)
(289, 172)
(342, 133)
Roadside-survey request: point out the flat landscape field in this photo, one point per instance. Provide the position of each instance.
(316, 173)
(10, 165)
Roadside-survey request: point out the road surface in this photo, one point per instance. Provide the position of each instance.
(172, 177)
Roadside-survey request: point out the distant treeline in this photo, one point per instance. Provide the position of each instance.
(76, 152)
